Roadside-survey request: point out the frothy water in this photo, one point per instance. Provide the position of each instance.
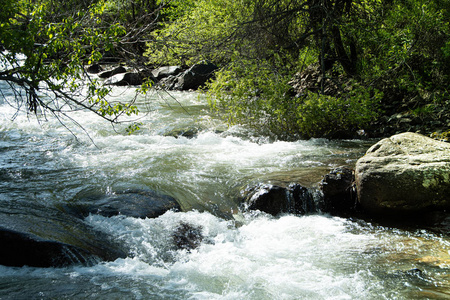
(290, 257)
(242, 255)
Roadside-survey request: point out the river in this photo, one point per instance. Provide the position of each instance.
(244, 255)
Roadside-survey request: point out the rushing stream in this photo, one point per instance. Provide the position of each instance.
(243, 255)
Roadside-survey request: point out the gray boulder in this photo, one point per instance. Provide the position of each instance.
(405, 174)
(196, 76)
(191, 79)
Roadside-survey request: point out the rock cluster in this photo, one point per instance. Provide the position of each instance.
(405, 177)
(166, 77)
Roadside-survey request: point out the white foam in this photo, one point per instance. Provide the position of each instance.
(270, 258)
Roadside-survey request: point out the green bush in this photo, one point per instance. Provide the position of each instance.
(392, 55)
(258, 96)
(321, 115)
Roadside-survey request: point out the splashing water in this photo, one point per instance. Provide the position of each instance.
(241, 255)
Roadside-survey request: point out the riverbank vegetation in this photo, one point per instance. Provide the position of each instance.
(319, 68)
(291, 68)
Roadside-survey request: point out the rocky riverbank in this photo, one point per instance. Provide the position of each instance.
(166, 77)
(402, 180)
(397, 113)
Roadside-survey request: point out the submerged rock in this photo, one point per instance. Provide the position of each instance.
(405, 174)
(187, 236)
(39, 236)
(276, 199)
(130, 203)
(185, 132)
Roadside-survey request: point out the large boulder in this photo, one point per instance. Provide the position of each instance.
(191, 79)
(40, 236)
(405, 174)
(275, 200)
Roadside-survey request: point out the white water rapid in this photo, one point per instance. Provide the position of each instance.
(242, 255)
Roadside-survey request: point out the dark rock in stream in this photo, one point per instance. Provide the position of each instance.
(187, 133)
(130, 203)
(275, 200)
(339, 195)
(110, 73)
(94, 69)
(193, 78)
(39, 236)
(125, 79)
(187, 236)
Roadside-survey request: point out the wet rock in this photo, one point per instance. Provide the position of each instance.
(187, 132)
(130, 203)
(112, 72)
(275, 200)
(191, 79)
(125, 79)
(405, 174)
(195, 76)
(187, 236)
(167, 83)
(339, 196)
(166, 71)
(94, 69)
(40, 236)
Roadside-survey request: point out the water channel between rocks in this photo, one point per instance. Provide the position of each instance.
(184, 151)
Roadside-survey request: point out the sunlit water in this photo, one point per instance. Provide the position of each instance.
(243, 256)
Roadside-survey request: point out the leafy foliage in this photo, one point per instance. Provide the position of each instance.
(379, 55)
(198, 33)
(45, 56)
(393, 55)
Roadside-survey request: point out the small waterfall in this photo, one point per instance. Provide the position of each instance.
(293, 199)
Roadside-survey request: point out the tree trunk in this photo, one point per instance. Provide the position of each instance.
(346, 61)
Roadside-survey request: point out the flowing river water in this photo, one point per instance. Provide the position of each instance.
(244, 255)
